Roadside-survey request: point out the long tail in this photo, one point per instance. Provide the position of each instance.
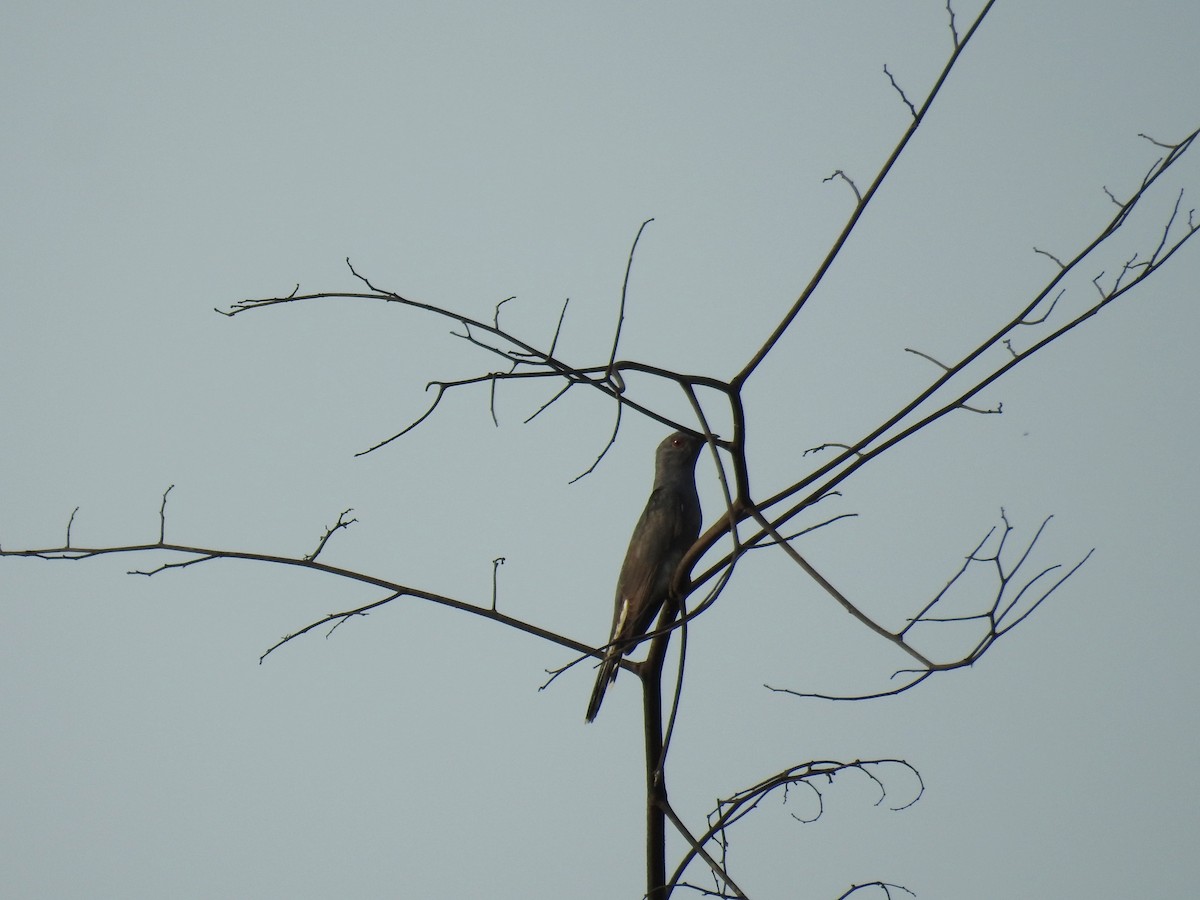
(606, 676)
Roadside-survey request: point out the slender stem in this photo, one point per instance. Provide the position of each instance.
(656, 787)
(650, 672)
(852, 223)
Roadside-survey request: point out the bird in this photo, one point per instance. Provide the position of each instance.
(668, 527)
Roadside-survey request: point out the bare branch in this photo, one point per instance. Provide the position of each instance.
(803, 531)
(926, 356)
(953, 28)
(1047, 253)
(1158, 143)
(884, 886)
(838, 173)
(196, 555)
(341, 523)
(730, 811)
(878, 695)
(612, 439)
(859, 210)
(830, 445)
(166, 567)
(441, 390)
(338, 620)
(496, 312)
(1025, 320)
(697, 846)
(624, 294)
(843, 601)
(71, 521)
(899, 90)
(877, 442)
(945, 368)
(162, 516)
(558, 328)
(1008, 607)
(496, 564)
(492, 400)
(545, 406)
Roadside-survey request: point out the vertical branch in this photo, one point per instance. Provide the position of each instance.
(650, 673)
(162, 518)
(624, 292)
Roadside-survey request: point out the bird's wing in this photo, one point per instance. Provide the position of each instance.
(657, 545)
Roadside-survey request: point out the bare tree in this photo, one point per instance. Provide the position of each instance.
(1082, 281)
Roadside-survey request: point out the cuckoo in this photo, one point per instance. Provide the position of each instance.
(669, 525)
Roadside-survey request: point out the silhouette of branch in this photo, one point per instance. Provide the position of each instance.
(861, 208)
(838, 173)
(341, 523)
(884, 886)
(1009, 606)
(524, 358)
(196, 555)
(810, 775)
(612, 356)
(899, 90)
(953, 29)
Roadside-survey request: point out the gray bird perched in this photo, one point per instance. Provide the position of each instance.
(669, 525)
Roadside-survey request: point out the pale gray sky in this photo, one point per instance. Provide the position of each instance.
(163, 159)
